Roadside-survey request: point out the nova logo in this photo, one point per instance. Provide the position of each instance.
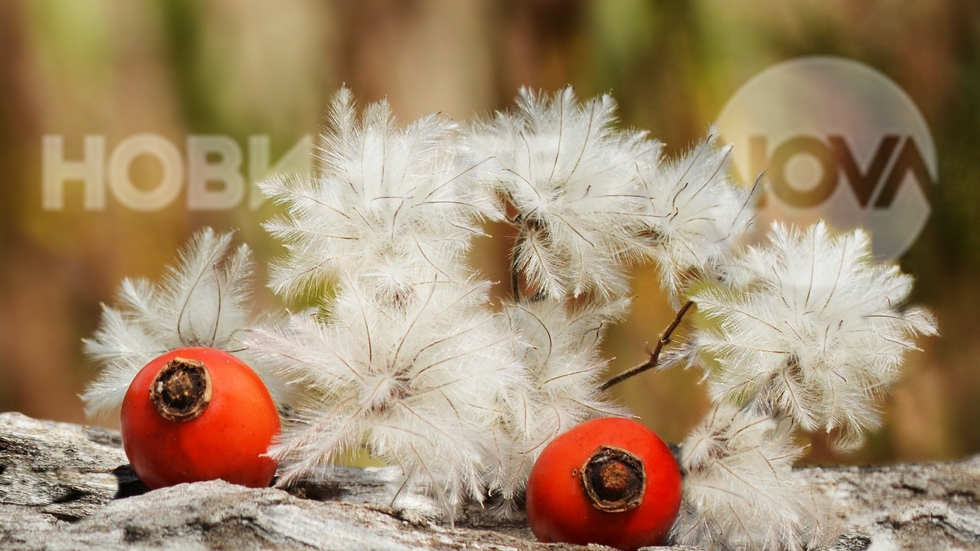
(212, 171)
(872, 185)
(838, 141)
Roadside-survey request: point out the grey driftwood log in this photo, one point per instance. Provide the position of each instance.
(65, 486)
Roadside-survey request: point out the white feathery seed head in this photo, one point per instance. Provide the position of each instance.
(404, 356)
(203, 300)
(418, 385)
(573, 180)
(395, 205)
(811, 327)
(559, 349)
(740, 491)
(696, 215)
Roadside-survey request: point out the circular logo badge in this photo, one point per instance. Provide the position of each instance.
(838, 141)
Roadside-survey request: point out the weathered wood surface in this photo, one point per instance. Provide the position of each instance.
(65, 486)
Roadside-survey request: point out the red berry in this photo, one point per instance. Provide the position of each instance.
(199, 414)
(608, 481)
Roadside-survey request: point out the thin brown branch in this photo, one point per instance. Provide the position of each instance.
(655, 355)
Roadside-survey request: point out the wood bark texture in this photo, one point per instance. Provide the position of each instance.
(65, 486)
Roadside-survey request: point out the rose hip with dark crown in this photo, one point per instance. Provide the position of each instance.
(608, 481)
(198, 414)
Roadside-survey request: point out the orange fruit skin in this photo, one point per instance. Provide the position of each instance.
(559, 510)
(228, 441)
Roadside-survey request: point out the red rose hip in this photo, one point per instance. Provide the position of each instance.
(608, 481)
(198, 414)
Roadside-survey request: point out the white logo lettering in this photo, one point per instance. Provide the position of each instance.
(213, 171)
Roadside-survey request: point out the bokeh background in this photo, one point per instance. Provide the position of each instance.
(179, 67)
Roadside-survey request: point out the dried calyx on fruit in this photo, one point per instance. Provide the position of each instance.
(614, 480)
(181, 390)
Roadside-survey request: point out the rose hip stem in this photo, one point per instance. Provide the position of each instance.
(655, 355)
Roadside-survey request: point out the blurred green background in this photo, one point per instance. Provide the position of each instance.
(240, 68)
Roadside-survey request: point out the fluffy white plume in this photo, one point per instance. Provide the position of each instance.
(696, 214)
(740, 491)
(573, 179)
(813, 328)
(395, 205)
(202, 301)
(419, 385)
(406, 359)
(559, 350)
